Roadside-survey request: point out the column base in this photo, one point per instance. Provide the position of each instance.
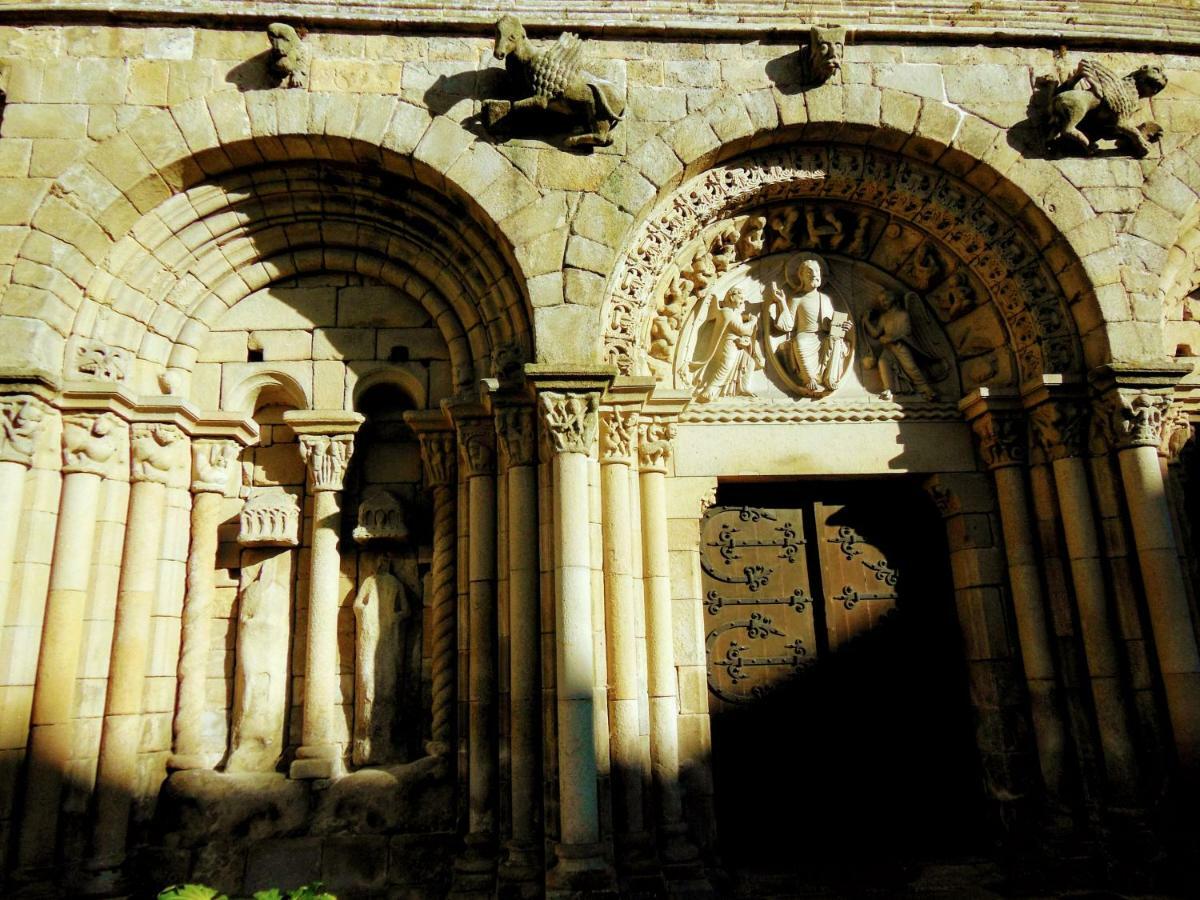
(319, 761)
(475, 870)
(677, 847)
(581, 871)
(521, 870)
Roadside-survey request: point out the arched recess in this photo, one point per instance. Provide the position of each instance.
(193, 206)
(970, 172)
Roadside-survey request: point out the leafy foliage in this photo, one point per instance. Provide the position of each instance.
(314, 891)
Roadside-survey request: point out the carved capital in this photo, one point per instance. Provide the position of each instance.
(1178, 430)
(617, 428)
(437, 456)
(213, 465)
(477, 440)
(327, 457)
(518, 437)
(1002, 440)
(570, 420)
(654, 445)
(1134, 418)
(157, 453)
(20, 423)
(1060, 428)
(92, 444)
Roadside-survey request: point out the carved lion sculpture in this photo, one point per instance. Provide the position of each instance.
(289, 58)
(1094, 104)
(555, 80)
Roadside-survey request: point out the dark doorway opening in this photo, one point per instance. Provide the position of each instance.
(843, 737)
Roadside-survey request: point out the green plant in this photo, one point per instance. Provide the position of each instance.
(314, 891)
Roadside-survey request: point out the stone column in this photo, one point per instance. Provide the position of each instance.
(20, 420)
(94, 449)
(618, 430)
(477, 445)
(518, 442)
(654, 455)
(998, 423)
(569, 418)
(158, 458)
(437, 456)
(1060, 423)
(1136, 420)
(214, 464)
(326, 444)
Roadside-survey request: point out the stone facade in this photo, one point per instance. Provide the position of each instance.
(523, 306)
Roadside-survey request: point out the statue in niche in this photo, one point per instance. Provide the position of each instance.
(380, 608)
(1094, 104)
(260, 680)
(554, 80)
(733, 351)
(289, 58)
(823, 56)
(817, 350)
(903, 345)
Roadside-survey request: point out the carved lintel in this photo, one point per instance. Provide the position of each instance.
(1002, 439)
(655, 445)
(517, 434)
(270, 518)
(477, 441)
(617, 428)
(823, 55)
(1060, 427)
(158, 453)
(380, 517)
(289, 57)
(570, 420)
(93, 360)
(437, 457)
(327, 456)
(1134, 418)
(213, 465)
(92, 444)
(20, 423)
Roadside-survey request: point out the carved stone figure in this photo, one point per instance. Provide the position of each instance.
(95, 360)
(823, 56)
(260, 680)
(91, 444)
(1094, 104)
(901, 345)
(554, 80)
(289, 57)
(20, 421)
(270, 518)
(380, 517)
(817, 350)
(731, 354)
(379, 607)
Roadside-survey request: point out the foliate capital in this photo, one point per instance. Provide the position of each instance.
(1060, 428)
(1135, 418)
(518, 437)
(327, 457)
(93, 444)
(617, 428)
(1002, 439)
(654, 445)
(570, 420)
(213, 465)
(20, 423)
(437, 456)
(158, 453)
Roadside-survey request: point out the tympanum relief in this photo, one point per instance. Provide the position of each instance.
(796, 302)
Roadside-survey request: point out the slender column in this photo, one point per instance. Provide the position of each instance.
(94, 448)
(1003, 445)
(1137, 424)
(20, 420)
(1060, 424)
(618, 427)
(326, 444)
(213, 465)
(654, 453)
(570, 422)
(515, 428)
(158, 457)
(437, 455)
(477, 441)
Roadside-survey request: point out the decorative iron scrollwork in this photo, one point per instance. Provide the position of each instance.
(799, 600)
(850, 598)
(848, 539)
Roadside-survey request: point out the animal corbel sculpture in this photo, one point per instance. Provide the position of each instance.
(289, 58)
(1094, 104)
(823, 55)
(554, 80)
